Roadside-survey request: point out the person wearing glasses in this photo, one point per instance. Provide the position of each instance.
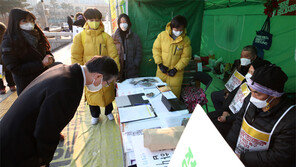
(30, 130)
(89, 42)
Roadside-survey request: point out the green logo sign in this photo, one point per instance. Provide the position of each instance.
(188, 161)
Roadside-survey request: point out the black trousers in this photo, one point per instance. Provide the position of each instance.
(8, 78)
(96, 111)
(218, 99)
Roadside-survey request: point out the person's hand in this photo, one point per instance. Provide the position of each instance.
(163, 68)
(172, 72)
(47, 60)
(42, 166)
(225, 113)
(222, 118)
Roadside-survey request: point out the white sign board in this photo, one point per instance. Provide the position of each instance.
(201, 145)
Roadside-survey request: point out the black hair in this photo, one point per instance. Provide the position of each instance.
(13, 32)
(92, 13)
(103, 65)
(179, 21)
(251, 49)
(123, 15)
(2, 28)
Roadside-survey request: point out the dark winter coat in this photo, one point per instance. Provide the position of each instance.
(31, 128)
(79, 23)
(282, 149)
(25, 68)
(133, 50)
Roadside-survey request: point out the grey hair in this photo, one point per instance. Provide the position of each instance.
(251, 49)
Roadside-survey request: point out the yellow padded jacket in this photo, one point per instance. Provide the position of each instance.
(173, 54)
(87, 44)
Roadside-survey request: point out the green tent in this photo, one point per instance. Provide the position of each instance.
(222, 27)
(149, 18)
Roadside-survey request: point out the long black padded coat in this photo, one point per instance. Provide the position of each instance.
(30, 130)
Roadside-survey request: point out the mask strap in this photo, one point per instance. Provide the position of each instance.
(268, 103)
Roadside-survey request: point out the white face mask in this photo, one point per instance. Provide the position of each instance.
(260, 103)
(245, 61)
(248, 76)
(27, 26)
(93, 88)
(123, 26)
(177, 33)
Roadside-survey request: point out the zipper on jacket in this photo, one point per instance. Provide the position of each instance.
(100, 49)
(253, 119)
(175, 50)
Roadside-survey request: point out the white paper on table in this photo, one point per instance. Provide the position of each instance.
(130, 158)
(161, 110)
(200, 142)
(135, 113)
(126, 142)
(131, 91)
(146, 158)
(122, 101)
(140, 125)
(126, 84)
(169, 95)
(173, 121)
(154, 90)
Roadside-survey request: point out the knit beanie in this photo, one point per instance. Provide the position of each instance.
(268, 80)
(259, 63)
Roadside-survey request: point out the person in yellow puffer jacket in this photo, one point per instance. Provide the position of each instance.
(172, 52)
(88, 43)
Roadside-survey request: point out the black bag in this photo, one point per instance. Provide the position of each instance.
(263, 38)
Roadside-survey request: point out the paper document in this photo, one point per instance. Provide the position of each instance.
(238, 100)
(129, 91)
(146, 158)
(173, 121)
(169, 95)
(140, 125)
(235, 80)
(134, 113)
(122, 101)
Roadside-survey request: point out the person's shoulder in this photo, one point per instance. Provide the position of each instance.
(135, 35)
(163, 33)
(236, 61)
(186, 39)
(106, 35)
(67, 73)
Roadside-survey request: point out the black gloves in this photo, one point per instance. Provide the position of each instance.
(166, 70)
(163, 68)
(172, 72)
